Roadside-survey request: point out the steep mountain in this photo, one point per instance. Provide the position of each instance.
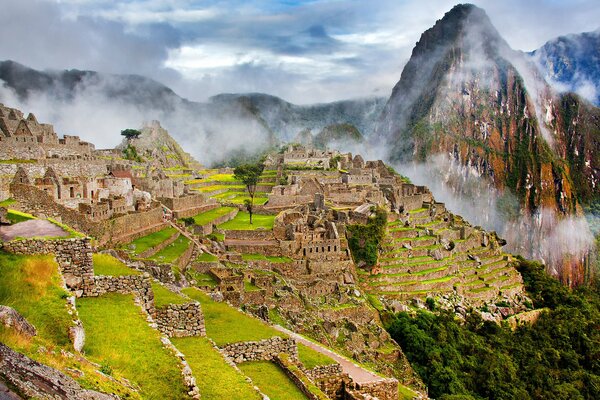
(572, 63)
(486, 112)
(154, 144)
(226, 124)
(337, 135)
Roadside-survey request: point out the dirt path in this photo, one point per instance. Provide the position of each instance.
(358, 374)
(31, 228)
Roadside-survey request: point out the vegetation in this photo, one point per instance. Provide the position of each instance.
(202, 279)
(364, 240)
(249, 175)
(271, 380)
(31, 285)
(131, 133)
(173, 251)
(214, 377)
(209, 216)
(154, 239)
(207, 257)
(119, 338)
(311, 358)
(554, 358)
(105, 264)
(15, 216)
(225, 324)
(130, 153)
(164, 297)
(242, 222)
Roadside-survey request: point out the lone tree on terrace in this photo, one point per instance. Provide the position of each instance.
(131, 133)
(249, 175)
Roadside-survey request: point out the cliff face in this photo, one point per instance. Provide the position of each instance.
(466, 95)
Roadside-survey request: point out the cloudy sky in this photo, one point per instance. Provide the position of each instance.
(303, 51)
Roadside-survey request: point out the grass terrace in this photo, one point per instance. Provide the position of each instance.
(173, 251)
(311, 358)
(119, 339)
(220, 178)
(215, 378)
(207, 257)
(105, 264)
(271, 380)
(202, 279)
(225, 324)
(15, 216)
(164, 297)
(261, 257)
(242, 222)
(214, 188)
(209, 216)
(233, 198)
(147, 242)
(7, 202)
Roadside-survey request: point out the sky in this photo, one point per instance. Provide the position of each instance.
(303, 51)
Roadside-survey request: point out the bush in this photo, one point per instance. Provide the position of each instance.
(364, 240)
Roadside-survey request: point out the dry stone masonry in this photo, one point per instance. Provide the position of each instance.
(266, 349)
(180, 320)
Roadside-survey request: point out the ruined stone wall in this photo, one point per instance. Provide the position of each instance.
(263, 350)
(384, 389)
(138, 285)
(186, 256)
(207, 229)
(187, 206)
(180, 320)
(128, 227)
(330, 379)
(250, 235)
(300, 380)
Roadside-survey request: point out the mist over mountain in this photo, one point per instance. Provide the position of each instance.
(97, 106)
(572, 63)
(503, 147)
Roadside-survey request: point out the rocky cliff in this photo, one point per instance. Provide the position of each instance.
(467, 96)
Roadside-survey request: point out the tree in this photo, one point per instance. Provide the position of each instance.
(131, 133)
(249, 174)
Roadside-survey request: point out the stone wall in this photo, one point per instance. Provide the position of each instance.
(258, 234)
(262, 350)
(207, 229)
(138, 285)
(73, 256)
(185, 258)
(180, 320)
(301, 381)
(384, 389)
(187, 206)
(331, 379)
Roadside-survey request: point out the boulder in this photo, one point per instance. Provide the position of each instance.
(12, 319)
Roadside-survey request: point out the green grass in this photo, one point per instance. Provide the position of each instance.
(32, 286)
(214, 188)
(118, 337)
(242, 222)
(220, 178)
(105, 264)
(15, 216)
(271, 380)
(311, 358)
(207, 257)
(261, 257)
(225, 324)
(173, 251)
(250, 287)
(209, 216)
(239, 199)
(7, 202)
(147, 242)
(202, 279)
(214, 377)
(405, 393)
(164, 297)
(72, 232)
(219, 237)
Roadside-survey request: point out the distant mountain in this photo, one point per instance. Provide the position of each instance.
(338, 136)
(572, 63)
(226, 124)
(287, 119)
(486, 116)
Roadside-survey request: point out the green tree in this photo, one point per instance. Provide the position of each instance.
(249, 174)
(131, 133)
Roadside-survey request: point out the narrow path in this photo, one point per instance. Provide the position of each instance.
(358, 374)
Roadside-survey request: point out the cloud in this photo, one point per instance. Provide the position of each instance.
(317, 50)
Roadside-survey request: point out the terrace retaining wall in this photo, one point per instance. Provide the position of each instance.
(263, 350)
(180, 320)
